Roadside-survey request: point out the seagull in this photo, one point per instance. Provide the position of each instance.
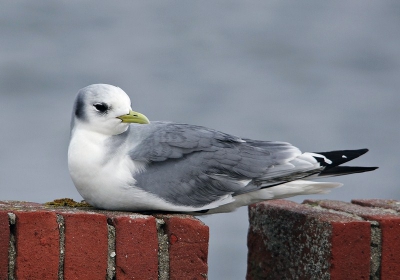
(119, 160)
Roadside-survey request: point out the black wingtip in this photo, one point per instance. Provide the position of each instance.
(345, 170)
(339, 157)
(372, 168)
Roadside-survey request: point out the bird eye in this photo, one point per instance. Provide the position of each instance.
(101, 107)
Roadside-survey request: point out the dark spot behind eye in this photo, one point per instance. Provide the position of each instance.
(101, 107)
(79, 107)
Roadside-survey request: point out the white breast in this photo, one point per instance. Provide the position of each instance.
(97, 176)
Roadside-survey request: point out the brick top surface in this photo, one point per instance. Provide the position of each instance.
(381, 203)
(361, 211)
(305, 209)
(14, 205)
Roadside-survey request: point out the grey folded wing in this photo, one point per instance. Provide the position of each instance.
(195, 166)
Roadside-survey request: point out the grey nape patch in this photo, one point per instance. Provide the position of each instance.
(11, 249)
(61, 228)
(111, 253)
(79, 109)
(163, 252)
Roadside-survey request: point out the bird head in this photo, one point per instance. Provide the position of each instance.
(105, 109)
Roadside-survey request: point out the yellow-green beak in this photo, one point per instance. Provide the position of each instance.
(134, 117)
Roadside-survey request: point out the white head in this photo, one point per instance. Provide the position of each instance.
(104, 109)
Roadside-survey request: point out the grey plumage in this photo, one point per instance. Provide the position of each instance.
(194, 165)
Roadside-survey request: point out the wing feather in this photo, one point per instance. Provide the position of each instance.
(193, 165)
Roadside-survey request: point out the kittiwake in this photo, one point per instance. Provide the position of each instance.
(119, 160)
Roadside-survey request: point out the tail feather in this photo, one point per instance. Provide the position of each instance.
(299, 187)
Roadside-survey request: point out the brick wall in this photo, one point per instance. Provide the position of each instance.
(324, 240)
(38, 242)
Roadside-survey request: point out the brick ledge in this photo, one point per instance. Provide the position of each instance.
(324, 239)
(39, 242)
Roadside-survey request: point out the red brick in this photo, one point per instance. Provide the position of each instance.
(287, 240)
(350, 250)
(390, 267)
(390, 227)
(37, 245)
(136, 247)
(86, 245)
(4, 244)
(188, 247)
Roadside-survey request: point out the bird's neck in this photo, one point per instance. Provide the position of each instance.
(87, 147)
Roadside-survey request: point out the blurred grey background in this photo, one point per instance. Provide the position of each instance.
(322, 75)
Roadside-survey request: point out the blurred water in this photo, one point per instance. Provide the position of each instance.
(321, 75)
